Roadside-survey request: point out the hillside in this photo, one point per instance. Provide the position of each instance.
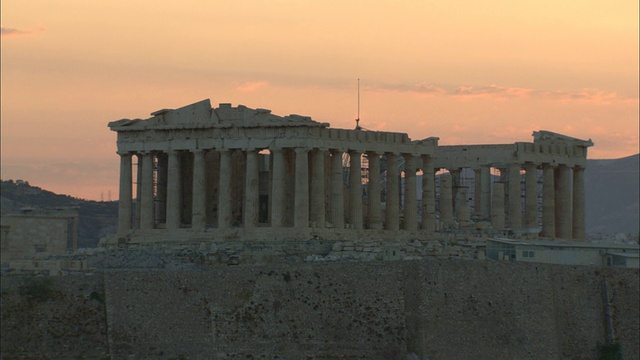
(96, 218)
(612, 190)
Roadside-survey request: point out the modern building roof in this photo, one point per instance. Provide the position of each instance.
(566, 244)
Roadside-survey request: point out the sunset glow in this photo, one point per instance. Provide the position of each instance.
(466, 72)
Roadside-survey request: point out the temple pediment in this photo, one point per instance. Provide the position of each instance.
(202, 115)
(549, 136)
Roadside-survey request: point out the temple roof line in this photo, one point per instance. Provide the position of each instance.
(202, 115)
(545, 135)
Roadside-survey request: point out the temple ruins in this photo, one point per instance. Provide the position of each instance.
(203, 173)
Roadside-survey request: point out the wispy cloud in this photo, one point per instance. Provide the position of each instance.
(589, 95)
(251, 86)
(421, 88)
(7, 31)
(493, 91)
(503, 92)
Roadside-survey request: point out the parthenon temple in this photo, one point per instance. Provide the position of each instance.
(199, 172)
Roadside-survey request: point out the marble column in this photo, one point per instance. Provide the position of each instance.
(337, 190)
(161, 189)
(146, 195)
(462, 209)
(563, 202)
(126, 193)
(224, 195)
(301, 217)
(373, 187)
(410, 201)
(393, 189)
(578, 204)
(277, 188)
(497, 206)
(355, 190)
(428, 194)
(317, 188)
(455, 185)
(136, 219)
(548, 202)
(531, 196)
(485, 184)
(199, 204)
(251, 195)
(515, 209)
(477, 194)
(446, 201)
(174, 191)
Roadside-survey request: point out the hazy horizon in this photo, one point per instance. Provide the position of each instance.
(468, 73)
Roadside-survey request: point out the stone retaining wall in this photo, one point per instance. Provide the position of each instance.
(433, 308)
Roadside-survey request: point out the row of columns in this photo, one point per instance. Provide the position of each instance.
(562, 193)
(563, 207)
(309, 191)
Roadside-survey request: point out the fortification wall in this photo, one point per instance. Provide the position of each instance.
(434, 308)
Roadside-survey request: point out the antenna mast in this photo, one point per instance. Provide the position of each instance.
(358, 119)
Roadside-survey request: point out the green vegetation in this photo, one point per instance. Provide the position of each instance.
(38, 289)
(610, 351)
(97, 297)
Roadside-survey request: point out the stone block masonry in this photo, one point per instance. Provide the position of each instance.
(442, 309)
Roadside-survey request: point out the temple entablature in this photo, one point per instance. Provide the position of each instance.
(212, 171)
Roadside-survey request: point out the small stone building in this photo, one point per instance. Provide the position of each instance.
(39, 233)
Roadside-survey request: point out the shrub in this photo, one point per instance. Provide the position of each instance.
(610, 352)
(38, 289)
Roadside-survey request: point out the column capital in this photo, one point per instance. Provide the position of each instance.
(301, 150)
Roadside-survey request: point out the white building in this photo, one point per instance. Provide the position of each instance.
(564, 252)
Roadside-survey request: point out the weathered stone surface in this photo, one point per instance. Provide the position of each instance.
(270, 176)
(430, 308)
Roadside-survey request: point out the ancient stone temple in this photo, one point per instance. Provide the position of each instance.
(218, 173)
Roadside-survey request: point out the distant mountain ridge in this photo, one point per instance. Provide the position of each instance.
(612, 192)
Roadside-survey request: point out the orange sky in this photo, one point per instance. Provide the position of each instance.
(469, 72)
